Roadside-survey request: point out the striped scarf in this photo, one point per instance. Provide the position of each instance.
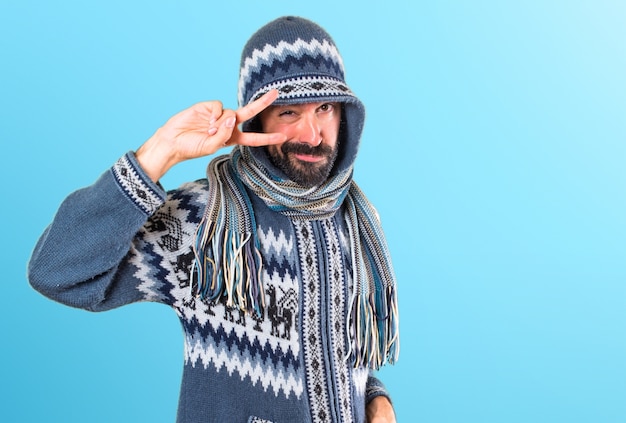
(228, 261)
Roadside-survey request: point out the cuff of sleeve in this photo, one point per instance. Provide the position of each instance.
(375, 388)
(137, 186)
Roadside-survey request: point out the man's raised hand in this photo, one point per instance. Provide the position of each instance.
(202, 130)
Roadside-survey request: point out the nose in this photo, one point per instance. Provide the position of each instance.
(310, 130)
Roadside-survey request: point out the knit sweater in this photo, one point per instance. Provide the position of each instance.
(124, 240)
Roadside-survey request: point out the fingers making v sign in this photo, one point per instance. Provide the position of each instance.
(202, 130)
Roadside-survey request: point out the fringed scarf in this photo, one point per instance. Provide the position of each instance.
(228, 261)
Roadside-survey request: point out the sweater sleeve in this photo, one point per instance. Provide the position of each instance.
(375, 388)
(83, 258)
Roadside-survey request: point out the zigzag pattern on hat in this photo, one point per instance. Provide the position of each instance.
(286, 55)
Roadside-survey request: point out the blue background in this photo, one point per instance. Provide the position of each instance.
(494, 150)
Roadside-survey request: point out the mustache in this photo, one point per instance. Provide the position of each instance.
(303, 148)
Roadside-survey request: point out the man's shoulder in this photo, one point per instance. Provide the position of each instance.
(197, 185)
(190, 196)
(197, 188)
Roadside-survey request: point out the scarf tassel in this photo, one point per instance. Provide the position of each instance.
(227, 268)
(373, 326)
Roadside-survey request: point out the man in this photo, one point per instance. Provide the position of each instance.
(275, 262)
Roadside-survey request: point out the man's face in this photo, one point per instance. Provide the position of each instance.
(312, 131)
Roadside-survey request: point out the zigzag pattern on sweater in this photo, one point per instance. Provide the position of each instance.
(276, 250)
(149, 272)
(264, 349)
(275, 245)
(260, 365)
(235, 339)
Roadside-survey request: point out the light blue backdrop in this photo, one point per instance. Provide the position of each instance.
(494, 150)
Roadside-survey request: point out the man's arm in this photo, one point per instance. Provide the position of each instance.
(80, 258)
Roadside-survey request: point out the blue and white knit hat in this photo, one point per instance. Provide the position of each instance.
(300, 59)
(295, 56)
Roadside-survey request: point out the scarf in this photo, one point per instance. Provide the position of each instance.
(228, 262)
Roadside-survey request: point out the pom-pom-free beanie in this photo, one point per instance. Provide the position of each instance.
(295, 56)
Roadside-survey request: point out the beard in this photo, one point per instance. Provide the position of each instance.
(306, 174)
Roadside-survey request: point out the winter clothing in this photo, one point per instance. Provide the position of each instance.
(286, 305)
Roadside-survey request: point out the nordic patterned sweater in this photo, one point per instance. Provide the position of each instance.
(124, 240)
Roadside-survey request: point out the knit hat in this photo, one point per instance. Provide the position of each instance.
(295, 56)
(300, 59)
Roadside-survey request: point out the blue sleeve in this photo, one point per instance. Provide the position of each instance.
(375, 388)
(83, 259)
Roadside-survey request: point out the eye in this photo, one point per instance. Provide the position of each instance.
(327, 107)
